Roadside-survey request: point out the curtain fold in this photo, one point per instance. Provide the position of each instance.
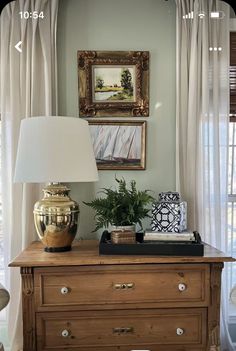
(202, 125)
(28, 88)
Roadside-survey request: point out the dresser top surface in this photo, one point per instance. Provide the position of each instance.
(86, 252)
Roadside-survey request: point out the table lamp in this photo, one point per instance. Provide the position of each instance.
(52, 150)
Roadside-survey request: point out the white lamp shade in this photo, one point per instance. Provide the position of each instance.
(55, 149)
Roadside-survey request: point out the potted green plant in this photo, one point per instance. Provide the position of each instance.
(121, 207)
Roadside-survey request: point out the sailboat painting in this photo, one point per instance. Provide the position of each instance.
(118, 144)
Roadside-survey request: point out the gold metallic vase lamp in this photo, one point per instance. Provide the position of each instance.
(54, 150)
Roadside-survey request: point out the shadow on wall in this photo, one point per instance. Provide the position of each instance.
(84, 192)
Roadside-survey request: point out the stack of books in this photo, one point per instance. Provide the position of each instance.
(152, 236)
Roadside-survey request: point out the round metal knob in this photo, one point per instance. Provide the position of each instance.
(65, 333)
(182, 287)
(179, 331)
(64, 290)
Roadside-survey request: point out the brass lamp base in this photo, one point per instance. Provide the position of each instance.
(56, 218)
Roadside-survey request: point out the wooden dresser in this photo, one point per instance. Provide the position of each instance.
(80, 301)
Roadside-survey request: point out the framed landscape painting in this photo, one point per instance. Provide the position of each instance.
(113, 83)
(118, 144)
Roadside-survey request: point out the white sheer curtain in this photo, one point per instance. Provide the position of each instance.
(28, 88)
(202, 124)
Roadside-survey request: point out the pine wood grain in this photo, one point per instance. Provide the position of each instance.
(145, 327)
(85, 252)
(139, 293)
(152, 286)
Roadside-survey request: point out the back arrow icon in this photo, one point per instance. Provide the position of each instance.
(17, 46)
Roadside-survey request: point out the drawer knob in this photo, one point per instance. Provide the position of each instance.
(65, 333)
(64, 290)
(182, 287)
(124, 286)
(179, 331)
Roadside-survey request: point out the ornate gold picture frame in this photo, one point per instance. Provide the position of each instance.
(113, 83)
(119, 144)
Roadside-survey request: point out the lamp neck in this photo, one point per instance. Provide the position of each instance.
(56, 189)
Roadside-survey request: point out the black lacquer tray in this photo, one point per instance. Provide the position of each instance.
(160, 248)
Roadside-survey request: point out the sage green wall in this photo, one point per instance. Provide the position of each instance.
(123, 25)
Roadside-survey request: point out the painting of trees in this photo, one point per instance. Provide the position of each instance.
(126, 80)
(99, 82)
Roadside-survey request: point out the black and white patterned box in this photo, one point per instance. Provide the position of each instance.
(169, 214)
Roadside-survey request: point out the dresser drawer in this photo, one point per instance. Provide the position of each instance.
(184, 327)
(133, 348)
(161, 285)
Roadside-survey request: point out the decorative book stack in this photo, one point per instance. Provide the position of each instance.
(169, 214)
(123, 237)
(151, 236)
